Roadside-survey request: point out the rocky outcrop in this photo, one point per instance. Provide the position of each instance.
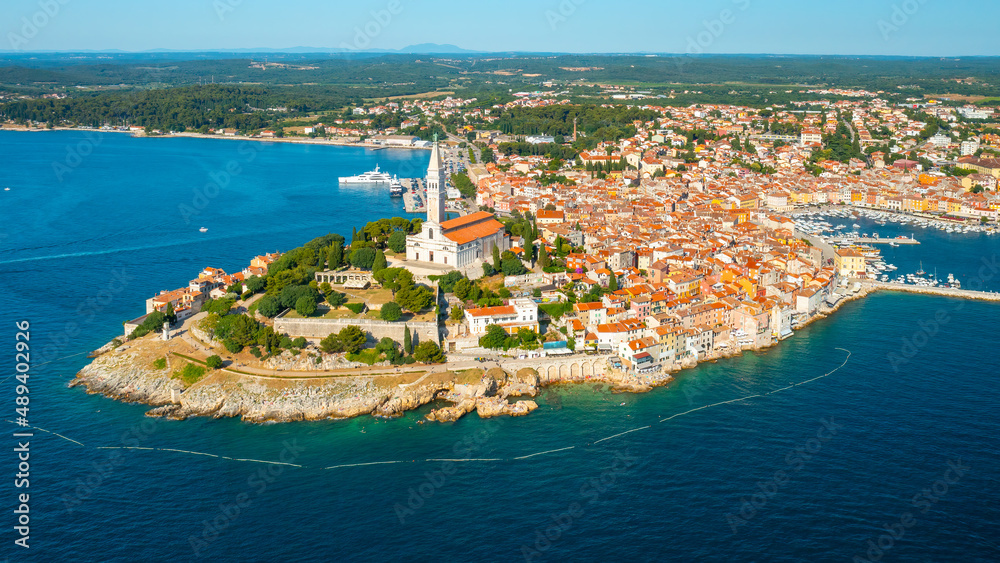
(453, 413)
(487, 407)
(122, 377)
(407, 399)
(127, 374)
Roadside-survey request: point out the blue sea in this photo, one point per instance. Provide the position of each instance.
(887, 449)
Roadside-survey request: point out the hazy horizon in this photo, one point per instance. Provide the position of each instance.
(907, 28)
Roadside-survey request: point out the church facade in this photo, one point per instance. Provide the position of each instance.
(458, 242)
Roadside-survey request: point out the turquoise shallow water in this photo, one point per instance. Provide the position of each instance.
(910, 399)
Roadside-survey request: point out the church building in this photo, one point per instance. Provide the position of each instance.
(457, 242)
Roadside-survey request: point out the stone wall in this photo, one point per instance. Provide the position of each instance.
(376, 330)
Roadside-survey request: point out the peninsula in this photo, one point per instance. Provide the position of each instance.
(692, 234)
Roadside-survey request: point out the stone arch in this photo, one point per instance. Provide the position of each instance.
(574, 369)
(563, 370)
(588, 368)
(552, 372)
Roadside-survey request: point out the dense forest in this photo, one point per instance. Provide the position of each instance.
(245, 108)
(210, 90)
(428, 72)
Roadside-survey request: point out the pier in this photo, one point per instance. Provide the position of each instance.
(942, 291)
(869, 240)
(413, 201)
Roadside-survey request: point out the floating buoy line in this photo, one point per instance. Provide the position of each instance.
(462, 460)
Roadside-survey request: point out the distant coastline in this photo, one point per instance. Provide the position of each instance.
(292, 140)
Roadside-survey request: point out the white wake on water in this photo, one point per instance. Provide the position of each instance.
(523, 457)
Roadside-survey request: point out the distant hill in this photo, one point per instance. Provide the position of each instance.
(421, 49)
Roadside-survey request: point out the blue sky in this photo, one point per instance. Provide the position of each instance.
(862, 27)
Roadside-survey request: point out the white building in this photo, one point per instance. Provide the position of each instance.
(940, 140)
(459, 242)
(520, 313)
(969, 147)
(539, 139)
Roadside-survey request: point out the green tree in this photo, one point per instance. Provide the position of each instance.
(512, 266)
(255, 284)
(389, 347)
(496, 257)
(457, 313)
(397, 241)
(336, 299)
(169, 316)
(335, 257)
(391, 312)
(494, 338)
(332, 344)
(428, 353)
(269, 306)
(290, 295)
(464, 288)
(353, 339)
(363, 258)
(407, 340)
(380, 262)
(305, 306)
(613, 282)
(527, 336)
(394, 279)
(543, 257)
(415, 298)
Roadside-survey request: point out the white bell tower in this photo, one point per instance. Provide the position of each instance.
(437, 192)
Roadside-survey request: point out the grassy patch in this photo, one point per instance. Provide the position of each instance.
(375, 296)
(369, 356)
(190, 373)
(469, 376)
(160, 363)
(556, 310)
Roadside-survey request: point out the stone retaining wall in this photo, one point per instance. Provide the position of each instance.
(376, 330)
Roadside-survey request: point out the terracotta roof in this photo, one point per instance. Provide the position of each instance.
(465, 220)
(466, 229)
(492, 311)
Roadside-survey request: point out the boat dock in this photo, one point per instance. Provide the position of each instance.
(413, 201)
(869, 240)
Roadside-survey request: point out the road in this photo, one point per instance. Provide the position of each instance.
(462, 155)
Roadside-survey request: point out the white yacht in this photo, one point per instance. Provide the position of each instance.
(396, 188)
(374, 178)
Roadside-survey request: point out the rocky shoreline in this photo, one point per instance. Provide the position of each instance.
(120, 375)
(124, 375)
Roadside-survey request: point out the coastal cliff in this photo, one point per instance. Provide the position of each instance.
(127, 374)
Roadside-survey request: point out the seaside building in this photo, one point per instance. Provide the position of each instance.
(849, 262)
(520, 313)
(456, 243)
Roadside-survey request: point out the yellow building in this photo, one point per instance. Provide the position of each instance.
(849, 262)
